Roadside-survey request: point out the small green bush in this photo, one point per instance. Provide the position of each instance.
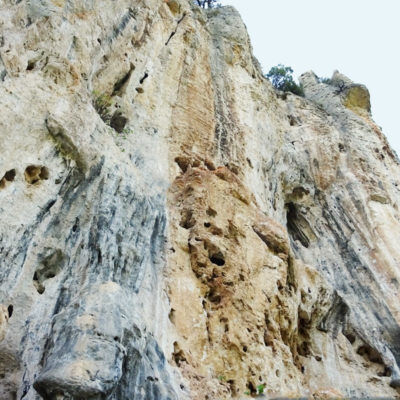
(126, 132)
(260, 389)
(101, 103)
(281, 78)
(207, 3)
(327, 81)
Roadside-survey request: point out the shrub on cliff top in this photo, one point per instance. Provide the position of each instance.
(207, 3)
(327, 81)
(282, 79)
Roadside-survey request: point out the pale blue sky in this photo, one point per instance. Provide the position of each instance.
(360, 38)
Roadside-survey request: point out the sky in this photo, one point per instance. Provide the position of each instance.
(360, 38)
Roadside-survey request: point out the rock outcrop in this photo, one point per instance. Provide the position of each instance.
(174, 228)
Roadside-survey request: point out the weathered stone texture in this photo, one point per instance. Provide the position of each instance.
(174, 228)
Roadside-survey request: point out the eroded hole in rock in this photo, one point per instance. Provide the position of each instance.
(183, 163)
(196, 163)
(304, 296)
(76, 225)
(9, 176)
(370, 354)
(350, 337)
(49, 268)
(207, 224)
(292, 120)
(341, 147)
(251, 388)
(31, 65)
(299, 192)
(386, 372)
(171, 316)
(297, 225)
(120, 85)
(187, 220)
(304, 349)
(39, 287)
(225, 321)
(216, 231)
(214, 296)
(211, 212)
(118, 121)
(10, 310)
(232, 386)
(174, 6)
(209, 164)
(232, 167)
(362, 350)
(44, 173)
(268, 338)
(36, 173)
(201, 265)
(217, 259)
(178, 354)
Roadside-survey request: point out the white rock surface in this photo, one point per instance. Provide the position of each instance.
(173, 228)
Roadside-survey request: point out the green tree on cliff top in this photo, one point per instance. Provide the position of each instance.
(281, 78)
(207, 3)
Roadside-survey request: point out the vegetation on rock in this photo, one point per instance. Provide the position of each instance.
(207, 3)
(327, 81)
(102, 103)
(281, 78)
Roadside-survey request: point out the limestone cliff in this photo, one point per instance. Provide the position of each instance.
(174, 228)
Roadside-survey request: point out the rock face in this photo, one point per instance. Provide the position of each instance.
(174, 228)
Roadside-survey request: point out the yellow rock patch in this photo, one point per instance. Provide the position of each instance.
(357, 100)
